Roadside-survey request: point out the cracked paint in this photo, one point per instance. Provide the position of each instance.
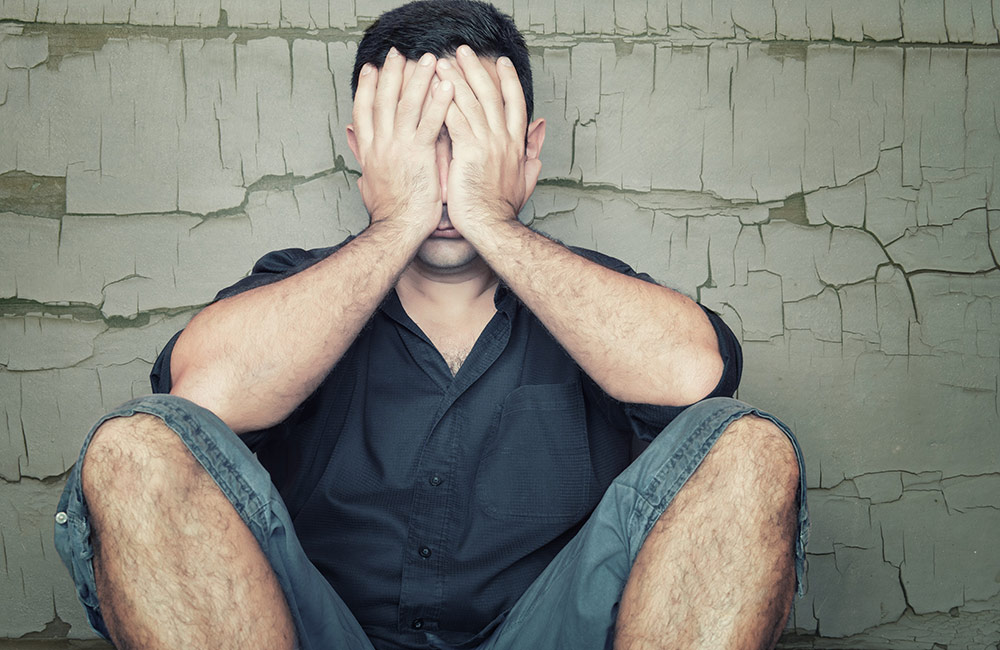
(918, 21)
(824, 174)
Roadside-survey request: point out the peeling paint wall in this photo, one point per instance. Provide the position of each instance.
(824, 173)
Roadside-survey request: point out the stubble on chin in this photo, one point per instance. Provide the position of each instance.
(446, 255)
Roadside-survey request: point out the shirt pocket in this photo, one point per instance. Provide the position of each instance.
(536, 466)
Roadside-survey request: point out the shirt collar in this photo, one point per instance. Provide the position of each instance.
(504, 300)
(393, 308)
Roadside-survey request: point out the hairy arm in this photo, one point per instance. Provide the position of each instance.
(252, 358)
(640, 342)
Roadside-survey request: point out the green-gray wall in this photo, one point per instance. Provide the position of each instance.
(824, 173)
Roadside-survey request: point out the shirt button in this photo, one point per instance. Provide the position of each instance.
(424, 552)
(417, 623)
(435, 480)
(61, 518)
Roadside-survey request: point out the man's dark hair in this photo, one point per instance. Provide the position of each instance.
(439, 27)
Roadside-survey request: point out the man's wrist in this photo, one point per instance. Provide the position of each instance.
(398, 231)
(489, 235)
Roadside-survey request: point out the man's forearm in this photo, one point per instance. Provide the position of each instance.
(254, 357)
(639, 341)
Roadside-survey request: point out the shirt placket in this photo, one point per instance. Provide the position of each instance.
(422, 588)
(431, 523)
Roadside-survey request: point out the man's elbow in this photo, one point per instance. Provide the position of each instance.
(692, 380)
(212, 395)
(679, 382)
(200, 392)
(703, 377)
(202, 383)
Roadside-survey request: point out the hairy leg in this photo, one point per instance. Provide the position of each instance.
(717, 570)
(175, 565)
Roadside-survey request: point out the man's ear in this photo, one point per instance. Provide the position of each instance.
(532, 165)
(352, 142)
(534, 139)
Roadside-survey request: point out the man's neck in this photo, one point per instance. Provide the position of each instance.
(450, 290)
(451, 308)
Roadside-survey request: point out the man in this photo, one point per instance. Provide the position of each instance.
(444, 406)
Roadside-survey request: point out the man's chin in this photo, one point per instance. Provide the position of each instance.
(446, 255)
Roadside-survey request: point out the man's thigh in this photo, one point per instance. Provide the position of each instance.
(574, 602)
(322, 620)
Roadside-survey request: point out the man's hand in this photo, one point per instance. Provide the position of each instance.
(491, 172)
(396, 121)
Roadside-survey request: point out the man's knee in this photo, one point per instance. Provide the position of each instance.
(762, 465)
(764, 444)
(131, 456)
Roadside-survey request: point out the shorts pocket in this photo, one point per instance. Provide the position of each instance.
(537, 464)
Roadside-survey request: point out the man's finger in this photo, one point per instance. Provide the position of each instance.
(433, 116)
(483, 85)
(408, 67)
(515, 106)
(390, 80)
(414, 95)
(364, 97)
(429, 96)
(465, 99)
(458, 128)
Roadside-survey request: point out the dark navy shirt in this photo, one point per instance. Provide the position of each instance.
(431, 502)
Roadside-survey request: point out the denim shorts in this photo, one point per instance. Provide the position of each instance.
(572, 604)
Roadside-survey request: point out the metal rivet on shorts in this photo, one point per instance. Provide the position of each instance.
(61, 518)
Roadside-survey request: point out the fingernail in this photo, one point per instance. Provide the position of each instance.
(434, 84)
(505, 61)
(393, 52)
(427, 59)
(445, 86)
(366, 69)
(465, 50)
(445, 64)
